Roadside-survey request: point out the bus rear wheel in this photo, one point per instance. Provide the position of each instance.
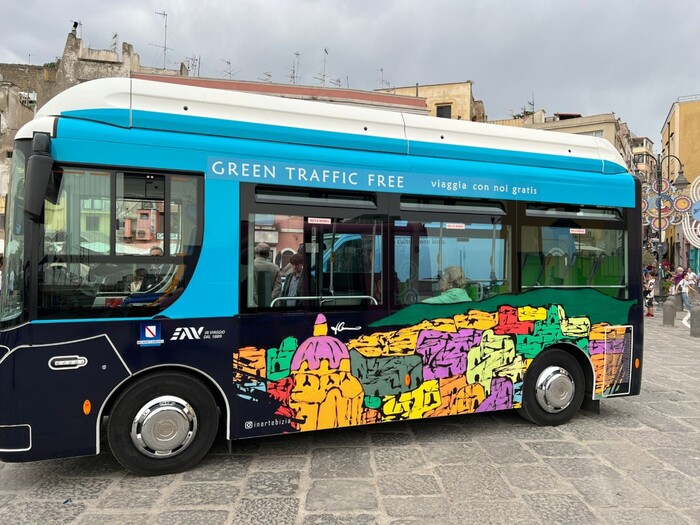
(553, 390)
(162, 424)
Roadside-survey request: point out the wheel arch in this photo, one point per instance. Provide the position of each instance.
(219, 396)
(581, 357)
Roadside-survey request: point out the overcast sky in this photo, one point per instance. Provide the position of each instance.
(630, 57)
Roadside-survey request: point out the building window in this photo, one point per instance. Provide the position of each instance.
(92, 223)
(444, 111)
(596, 133)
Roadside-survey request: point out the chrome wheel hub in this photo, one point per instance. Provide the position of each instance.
(164, 427)
(555, 389)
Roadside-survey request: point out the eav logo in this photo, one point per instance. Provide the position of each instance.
(187, 332)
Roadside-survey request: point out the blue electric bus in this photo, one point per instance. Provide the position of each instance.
(135, 300)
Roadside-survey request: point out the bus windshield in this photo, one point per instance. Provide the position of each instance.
(11, 289)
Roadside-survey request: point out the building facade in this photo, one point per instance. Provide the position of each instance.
(455, 100)
(680, 137)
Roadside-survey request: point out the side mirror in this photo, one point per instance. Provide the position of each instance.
(37, 176)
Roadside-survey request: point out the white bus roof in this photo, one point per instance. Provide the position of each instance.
(136, 95)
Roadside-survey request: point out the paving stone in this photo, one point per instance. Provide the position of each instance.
(490, 511)
(334, 519)
(285, 483)
(339, 495)
(19, 478)
(199, 494)
(217, 468)
(419, 506)
(5, 499)
(277, 462)
(628, 457)
(581, 468)
(408, 485)
(76, 489)
(535, 478)
(559, 449)
(503, 452)
(395, 459)
(669, 408)
(133, 482)
(190, 517)
(559, 508)
(650, 439)
(618, 493)
(685, 460)
(589, 430)
(433, 431)
(270, 511)
(445, 519)
(455, 453)
(672, 487)
(103, 465)
(24, 512)
(103, 518)
(344, 462)
(391, 439)
(476, 481)
(129, 499)
(641, 516)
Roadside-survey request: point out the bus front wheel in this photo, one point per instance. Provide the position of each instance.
(553, 390)
(162, 424)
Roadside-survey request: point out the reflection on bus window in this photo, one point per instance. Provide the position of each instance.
(422, 250)
(341, 265)
(92, 270)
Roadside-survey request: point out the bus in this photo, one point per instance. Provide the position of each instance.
(132, 308)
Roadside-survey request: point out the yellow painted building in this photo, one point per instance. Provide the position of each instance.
(680, 137)
(454, 100)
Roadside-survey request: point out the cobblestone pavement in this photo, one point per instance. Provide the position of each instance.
(636, 462)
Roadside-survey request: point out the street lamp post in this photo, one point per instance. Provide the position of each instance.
(680, 184)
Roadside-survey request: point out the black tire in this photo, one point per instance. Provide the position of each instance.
(553, 389)
(162, 424)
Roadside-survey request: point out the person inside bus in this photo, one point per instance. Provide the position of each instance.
(137, 284)
(452, 283)
(155, 271)
(294, 283)
(266, 276)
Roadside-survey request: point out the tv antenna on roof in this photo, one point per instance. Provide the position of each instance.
(229, 72)
(164, 47)
(322, 77)
(294, 73)
(383, 84)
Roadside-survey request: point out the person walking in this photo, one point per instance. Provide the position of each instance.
(693, 290)
(682, 288)
(649, 292)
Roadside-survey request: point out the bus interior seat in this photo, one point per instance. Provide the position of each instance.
(531, 269)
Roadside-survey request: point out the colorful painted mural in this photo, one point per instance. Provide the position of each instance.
(467, 362)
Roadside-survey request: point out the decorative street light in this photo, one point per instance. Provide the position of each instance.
(669, 201)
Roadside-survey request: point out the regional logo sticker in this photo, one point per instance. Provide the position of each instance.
(150, 334)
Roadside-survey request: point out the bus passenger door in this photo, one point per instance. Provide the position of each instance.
(346, 267)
